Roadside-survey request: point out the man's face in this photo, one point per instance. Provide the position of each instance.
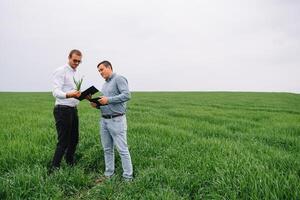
(74, 61)
(105, 71)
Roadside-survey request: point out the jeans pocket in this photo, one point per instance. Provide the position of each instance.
(117, 119)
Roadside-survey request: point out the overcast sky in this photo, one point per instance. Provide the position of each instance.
(159, 45)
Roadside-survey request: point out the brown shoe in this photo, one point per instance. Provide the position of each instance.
(102, 179)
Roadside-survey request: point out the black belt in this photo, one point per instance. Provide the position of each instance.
(64, 106)
(111, 116)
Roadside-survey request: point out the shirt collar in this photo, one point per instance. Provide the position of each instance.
(112, 75)
(70, 68)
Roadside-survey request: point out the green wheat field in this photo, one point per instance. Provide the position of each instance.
(184, 145)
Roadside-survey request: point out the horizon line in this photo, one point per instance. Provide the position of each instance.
(242, 91)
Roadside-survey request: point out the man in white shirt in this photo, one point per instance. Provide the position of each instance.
(65, 111)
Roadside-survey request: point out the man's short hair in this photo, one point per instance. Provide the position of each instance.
(106, 63)
(74, 51)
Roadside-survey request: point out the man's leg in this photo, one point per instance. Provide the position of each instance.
(118, 129)
(72, 139)
(108, 148)
(63, 126)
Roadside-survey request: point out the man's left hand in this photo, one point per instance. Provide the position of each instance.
(103, 100)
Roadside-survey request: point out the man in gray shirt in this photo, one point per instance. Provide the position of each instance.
(113, 120)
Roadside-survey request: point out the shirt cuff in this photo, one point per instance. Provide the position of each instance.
(110, 100)
(61, 95)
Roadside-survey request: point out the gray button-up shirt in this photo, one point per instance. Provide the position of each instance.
(117, 91)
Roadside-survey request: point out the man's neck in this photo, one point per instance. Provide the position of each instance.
(109, 77)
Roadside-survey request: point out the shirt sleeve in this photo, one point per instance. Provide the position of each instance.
(58, 81)
(124, 95)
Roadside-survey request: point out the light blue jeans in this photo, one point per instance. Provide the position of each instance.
(114, 132)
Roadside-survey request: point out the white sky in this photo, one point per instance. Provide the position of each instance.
(159, 45)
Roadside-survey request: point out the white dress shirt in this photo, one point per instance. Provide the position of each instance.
(63, 83)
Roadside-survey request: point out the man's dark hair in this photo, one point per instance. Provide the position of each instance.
(74, 51)
(106, 63)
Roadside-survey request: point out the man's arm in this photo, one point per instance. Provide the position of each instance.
(124, 95)
(58, 81)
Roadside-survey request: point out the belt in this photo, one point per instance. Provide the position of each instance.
(64, 106)
(111, 116)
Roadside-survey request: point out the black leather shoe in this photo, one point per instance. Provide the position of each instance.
(52, 169)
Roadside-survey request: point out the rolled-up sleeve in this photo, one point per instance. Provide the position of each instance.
(124, 95)
(58, 81)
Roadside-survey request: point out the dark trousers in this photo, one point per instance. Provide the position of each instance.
(66, 122)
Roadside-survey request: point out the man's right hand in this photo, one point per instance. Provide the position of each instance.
(73, 94)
